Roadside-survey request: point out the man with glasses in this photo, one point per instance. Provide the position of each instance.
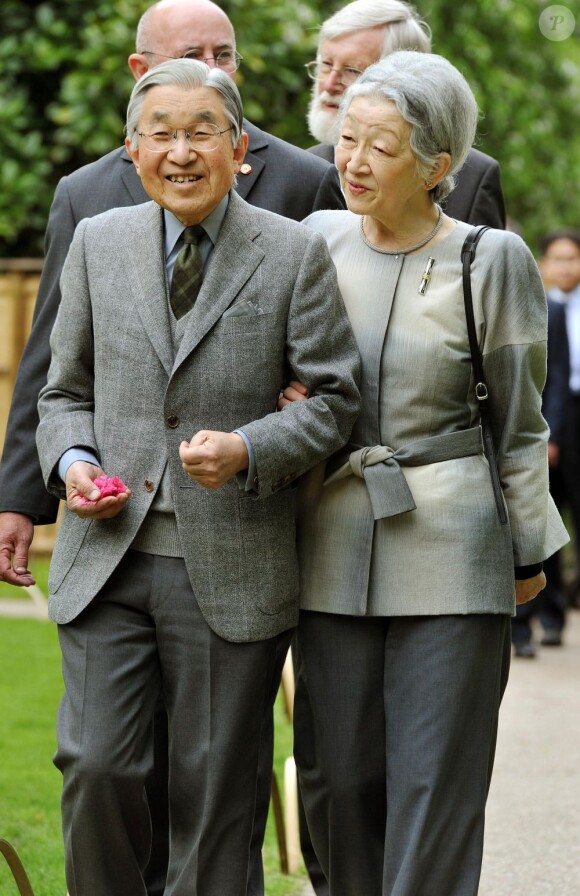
(275, 176)
(353, 38)
(179, 322)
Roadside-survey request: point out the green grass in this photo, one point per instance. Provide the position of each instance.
(30, 688)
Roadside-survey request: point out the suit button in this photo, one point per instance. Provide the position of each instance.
(149, 486)
(172, 421)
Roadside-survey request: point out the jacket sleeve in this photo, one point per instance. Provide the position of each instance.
(66, 402)
(321, 352)
(513, 340)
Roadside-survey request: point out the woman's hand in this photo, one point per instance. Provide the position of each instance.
(527, 589)
(293, 392)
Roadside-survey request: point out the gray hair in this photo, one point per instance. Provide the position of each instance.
(405, 31)
(189, 74)
(434, 98)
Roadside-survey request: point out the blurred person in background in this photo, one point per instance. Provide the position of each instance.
(560, 267)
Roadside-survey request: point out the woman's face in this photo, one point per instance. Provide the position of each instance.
(377, 168)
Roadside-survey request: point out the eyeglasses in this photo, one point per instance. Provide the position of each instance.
(201, 137)
(227, 60)
(346, 75)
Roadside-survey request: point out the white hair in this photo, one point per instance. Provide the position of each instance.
(434, 98)
(405, 31)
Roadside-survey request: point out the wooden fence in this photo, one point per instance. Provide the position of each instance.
(19, 278)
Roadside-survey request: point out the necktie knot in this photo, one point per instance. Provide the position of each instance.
(192, 235)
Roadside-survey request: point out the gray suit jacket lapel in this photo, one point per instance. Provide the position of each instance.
(234, 260)
(144, 263)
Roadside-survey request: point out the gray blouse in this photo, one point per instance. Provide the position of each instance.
(362, 549)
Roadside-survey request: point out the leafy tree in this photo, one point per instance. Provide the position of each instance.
(528, 89)
(64, 86)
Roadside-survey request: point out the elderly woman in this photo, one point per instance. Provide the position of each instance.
(408, 566)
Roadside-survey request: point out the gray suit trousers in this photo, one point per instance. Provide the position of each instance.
(395, 731)
(141, 636)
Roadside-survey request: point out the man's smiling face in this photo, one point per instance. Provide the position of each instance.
(190, 184)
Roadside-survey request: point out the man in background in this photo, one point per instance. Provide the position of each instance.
(560, 267)
(355, 37)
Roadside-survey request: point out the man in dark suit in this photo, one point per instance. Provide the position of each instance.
(353, 38)
(179, 322)
(275, 176)
(560, 267)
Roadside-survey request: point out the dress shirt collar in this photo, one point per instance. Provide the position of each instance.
(212, 225)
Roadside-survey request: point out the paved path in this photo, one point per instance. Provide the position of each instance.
(21, 608)
(533, 819)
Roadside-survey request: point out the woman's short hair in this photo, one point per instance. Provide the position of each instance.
(188, 74)
(404, 30)
(434, 98)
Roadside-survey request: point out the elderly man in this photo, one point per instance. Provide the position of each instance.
(275, 176)
(353, 38)
(167, 365)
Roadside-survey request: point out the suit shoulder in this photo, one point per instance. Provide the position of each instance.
(93, 172)
(122, 218)
(267, 220)
(480, 161)
(285, 153)
(323, 151)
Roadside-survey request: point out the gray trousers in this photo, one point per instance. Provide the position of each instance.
(395, 730)
(142, 636)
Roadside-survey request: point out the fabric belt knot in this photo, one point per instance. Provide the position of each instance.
(380, 467)
(187, 273)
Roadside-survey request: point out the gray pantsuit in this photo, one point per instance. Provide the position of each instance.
(431, 738)
(407, 573)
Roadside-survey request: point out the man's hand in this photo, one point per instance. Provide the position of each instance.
(294, 392)
(527, 589)
(16, 534)
(212, 458)
(80, 478)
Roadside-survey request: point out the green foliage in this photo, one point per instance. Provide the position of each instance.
(64, 86)
(528, 89)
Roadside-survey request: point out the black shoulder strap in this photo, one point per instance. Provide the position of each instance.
(481, 392)
(467, 256)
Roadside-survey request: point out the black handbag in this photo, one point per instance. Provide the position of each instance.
(481, 390)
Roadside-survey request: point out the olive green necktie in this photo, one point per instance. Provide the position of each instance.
(187, 273)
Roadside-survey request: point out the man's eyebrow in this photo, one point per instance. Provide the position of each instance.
(197, 116)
